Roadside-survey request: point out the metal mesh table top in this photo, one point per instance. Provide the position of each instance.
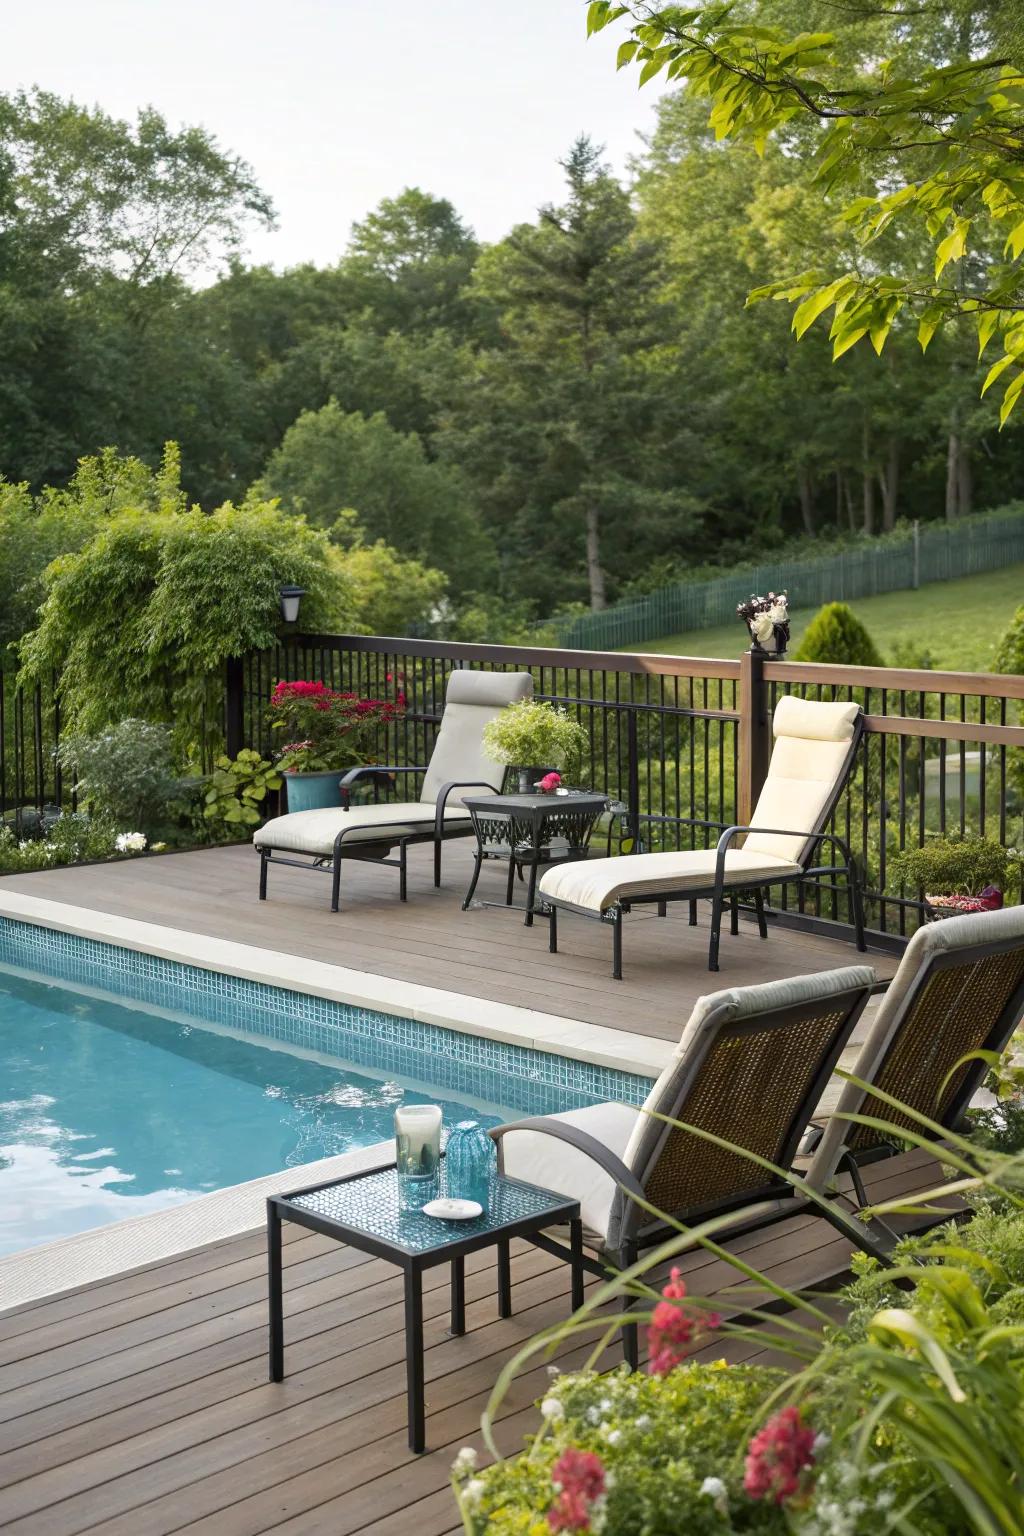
(369, 1203)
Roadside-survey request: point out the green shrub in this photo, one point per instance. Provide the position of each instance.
(237, 790)
(125, 774)
(1010, 659)
(73, 839)
(960, 864)
(835, 634)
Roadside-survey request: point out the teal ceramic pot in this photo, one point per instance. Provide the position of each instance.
(471, 1159)
(313, 791)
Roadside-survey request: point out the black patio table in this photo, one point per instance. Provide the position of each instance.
(534, 830)
(363, 1210)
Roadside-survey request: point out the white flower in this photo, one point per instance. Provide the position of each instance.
(761, 624)
(554, 1370)
(593, 1415)
(552, 1410)
(473, 1492)
(465, 1461)
(713, 1488)
(130, 842)
(598, 1513)
(779, 611)
(644, 1421)
(610, 1433)
(821, 1441)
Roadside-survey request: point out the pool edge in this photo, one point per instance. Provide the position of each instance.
(596, 1044)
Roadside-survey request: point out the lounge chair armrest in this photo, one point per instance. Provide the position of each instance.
(445, 791)
(366, 771)
(583, 1142)
(731, 833)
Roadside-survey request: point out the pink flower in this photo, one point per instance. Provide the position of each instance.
(673, 1329)
(549, 782)
(578, 1480)
(778, 1456)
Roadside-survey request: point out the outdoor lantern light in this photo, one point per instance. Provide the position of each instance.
(290, 600)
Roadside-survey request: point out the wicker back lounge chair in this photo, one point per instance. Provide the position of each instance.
(751, 1067)
(814, 752)
(959, 990)
(322, 839)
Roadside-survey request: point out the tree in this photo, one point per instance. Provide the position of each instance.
(936, 146)
(140, 621)
(384, 593)
(560, 424)
(330, 460)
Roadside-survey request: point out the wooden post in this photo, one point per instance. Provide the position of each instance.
(234, 706)
(754, 735)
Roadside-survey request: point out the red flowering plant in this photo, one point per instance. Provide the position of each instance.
(326, 730)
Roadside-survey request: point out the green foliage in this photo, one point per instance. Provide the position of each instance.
(73, 839)
(835, 634)
(659, 1438)
(929, 148)
(237, 789)
(139, 622)
(1010, 659)
(126, 774)
(386, 593)
(531, 734)
(960, 864)
(330, 460)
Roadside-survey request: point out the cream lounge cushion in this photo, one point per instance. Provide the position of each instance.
(597, 884)
(539, 1159)
(812, 743)
(314, 832)
(471, 701)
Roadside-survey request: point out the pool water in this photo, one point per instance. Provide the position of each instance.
(109, 1111)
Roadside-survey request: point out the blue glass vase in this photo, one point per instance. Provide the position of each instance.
(471, 1160)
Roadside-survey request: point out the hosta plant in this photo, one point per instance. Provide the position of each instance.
(238, 789)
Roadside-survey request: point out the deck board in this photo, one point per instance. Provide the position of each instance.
(141, 1403)
(485, 953)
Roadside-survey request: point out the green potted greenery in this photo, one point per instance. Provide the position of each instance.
(958, 873)
(536, 739)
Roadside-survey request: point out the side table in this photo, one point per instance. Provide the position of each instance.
(534, 830)
(363, 1211)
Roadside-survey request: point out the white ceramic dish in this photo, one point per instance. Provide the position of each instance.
(447, 1209)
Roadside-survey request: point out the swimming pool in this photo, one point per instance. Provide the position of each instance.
(130, 1083)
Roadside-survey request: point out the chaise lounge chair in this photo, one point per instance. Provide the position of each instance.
(959, 990)
(321, 839)
(815, 749)
(750, 1068)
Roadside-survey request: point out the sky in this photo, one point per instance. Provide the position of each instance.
(337, 104)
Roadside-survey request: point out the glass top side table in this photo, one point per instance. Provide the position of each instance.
(363, 1210)
(530, 830)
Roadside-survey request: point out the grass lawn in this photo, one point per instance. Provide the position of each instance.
(959, 623)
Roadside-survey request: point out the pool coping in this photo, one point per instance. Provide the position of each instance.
(645, 1055)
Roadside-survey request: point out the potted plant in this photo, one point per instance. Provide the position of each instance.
(327, 732)
(536, 739)
(767, 621)
(958, 873)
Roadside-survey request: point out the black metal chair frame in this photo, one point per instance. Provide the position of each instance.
(716, 891)
(350, 845)
(877, 1242)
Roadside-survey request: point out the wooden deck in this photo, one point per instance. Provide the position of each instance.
(485, 953)
(140, 1404)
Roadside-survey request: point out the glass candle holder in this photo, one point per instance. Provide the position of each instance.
(417, 1153)
(472, 1160)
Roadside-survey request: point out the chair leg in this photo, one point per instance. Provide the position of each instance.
(336, 880)
(716, 930)
(617, 944)
(693, 914)
(403, 881)
(734, 916)
(762, 922)
(510, 882)
(437, 861)
(553, 931)
(478, 862)
(264, 862)
(857, 902)
(663, 909)
(531, 894)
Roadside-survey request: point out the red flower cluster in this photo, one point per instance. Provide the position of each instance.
(673, 1329)
(318, 694)
(778, 1456)
(578, 1479)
